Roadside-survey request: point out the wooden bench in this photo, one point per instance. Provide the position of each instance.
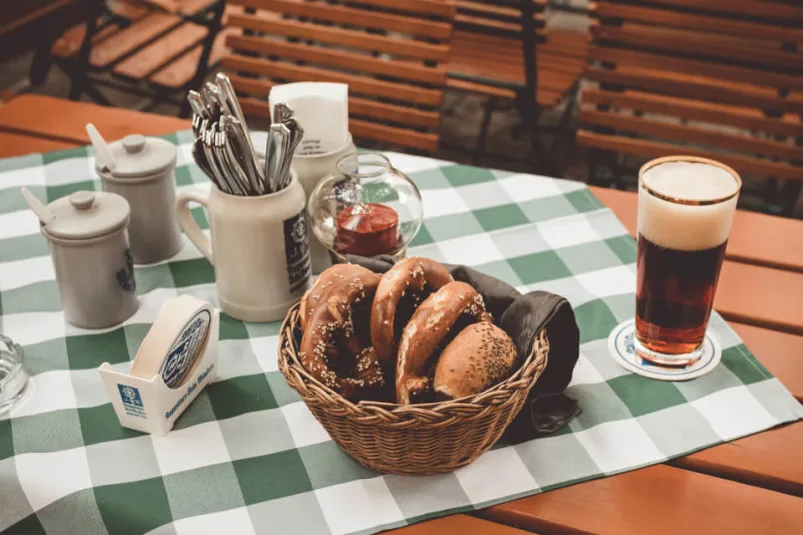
(490, 52)
(390, 52)
(159, 42)
(717, 79)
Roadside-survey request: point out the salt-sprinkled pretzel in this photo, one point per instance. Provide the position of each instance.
(323, 285)
(416, 277)
(318, 352)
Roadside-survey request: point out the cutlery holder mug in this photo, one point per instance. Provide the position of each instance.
(259, 248)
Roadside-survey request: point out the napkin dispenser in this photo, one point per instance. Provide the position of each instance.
(176, 360)
(322, 109)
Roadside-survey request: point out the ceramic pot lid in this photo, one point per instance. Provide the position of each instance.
(87, 214)
(138, 156)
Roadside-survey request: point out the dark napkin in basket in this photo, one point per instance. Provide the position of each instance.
(522, 317)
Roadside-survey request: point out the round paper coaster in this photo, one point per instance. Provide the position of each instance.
(620, 344)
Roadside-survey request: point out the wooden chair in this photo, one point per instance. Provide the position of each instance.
(390, 52)
(153, 48)
(494, 56)
(717, 79)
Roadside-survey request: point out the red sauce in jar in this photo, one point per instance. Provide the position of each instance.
(367, 230)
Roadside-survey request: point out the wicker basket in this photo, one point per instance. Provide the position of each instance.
(416, 439)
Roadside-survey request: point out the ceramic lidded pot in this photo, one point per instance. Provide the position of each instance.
(144, 173)
(91, 257)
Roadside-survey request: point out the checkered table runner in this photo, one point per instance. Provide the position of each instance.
(248, 457)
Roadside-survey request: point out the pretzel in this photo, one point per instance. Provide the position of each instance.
(350, 369)
(415, 277)
(319, 291)
(430, 325)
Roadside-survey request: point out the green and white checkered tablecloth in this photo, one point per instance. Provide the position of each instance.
(248, 457)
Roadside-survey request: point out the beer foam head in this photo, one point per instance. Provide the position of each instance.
(686, 227)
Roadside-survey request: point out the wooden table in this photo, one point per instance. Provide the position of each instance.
(753, 485)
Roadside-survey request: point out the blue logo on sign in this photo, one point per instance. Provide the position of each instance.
(132, 401)
(185, 350)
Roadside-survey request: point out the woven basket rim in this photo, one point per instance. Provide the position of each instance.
(499, 394)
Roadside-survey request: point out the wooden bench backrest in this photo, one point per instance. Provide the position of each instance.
(389, 52)
(496, 16)
(716, 79)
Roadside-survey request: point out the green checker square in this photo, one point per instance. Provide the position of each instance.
(453, 226)
(464, 175)
(600, 404)
(47, 431)
(240, 395)
(30, 525)
(718, 379)
(423, 237)
(743, 365)
(20, 162)
(258, 330)
(92, 350)
(780, 407)
(58, 155)
(379, 192)
(497, 217)
(183, 176)
(624, 247)
(430, 179)
(622, 306)
(543, 209)
(100, 424)
(687, 427)
(444, 493)
(328, 465)
(198, 412)
(203, 490)
(134, 507)
(46, 356)
(63, 190)
(281, 390)
(595, 319)
(232, 329)
(149, 278)
(200, 217)
(192, 272)
(539, 267)
(12, 201)
(554, 459)
(643, 396)
(300, 513)
(22, 247)
(40, 296)
(583, 200)
(256, 433)
(182, 137)
(6, 440)
(134, 335)
(587, 257)
(60, 516)
(500, 270)
(273, 476)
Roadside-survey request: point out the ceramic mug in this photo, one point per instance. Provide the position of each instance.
(259, 248)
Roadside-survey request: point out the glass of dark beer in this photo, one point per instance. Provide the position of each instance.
(685, 210)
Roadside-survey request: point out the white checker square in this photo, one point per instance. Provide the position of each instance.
(734, 412)
(618, 280)
(184, 155)
(18, 273)
(485, 195)
(190, 448)
(266, 349)
(567, 231)
(527, 187)
(498, 473)
(49, 391)
(71, 170)
(304, 428)
(89, 388)
(203, 187)
(47, 477)
(585, 373)
(439, 202)
(231, 521)
(407, 163)
(619, 444)
(19, 223)
(470, 250)
(239, 359)
(150, 305)
(23, 176)
(377, 506)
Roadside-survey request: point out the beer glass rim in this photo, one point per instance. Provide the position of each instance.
(692, 159)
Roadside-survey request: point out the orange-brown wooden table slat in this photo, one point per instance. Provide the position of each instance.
(129, 39)
(779, 352)
(778, 12)
(161, 52)
(13, 144)
(180, 71)
(459, 525)
(656, 500)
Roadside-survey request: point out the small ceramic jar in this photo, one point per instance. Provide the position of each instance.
(144, 174)
(93, 263)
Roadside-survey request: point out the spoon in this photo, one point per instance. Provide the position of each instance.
(42, 212)
(104, 155)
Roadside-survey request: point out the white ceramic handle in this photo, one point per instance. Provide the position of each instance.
(187, 222)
